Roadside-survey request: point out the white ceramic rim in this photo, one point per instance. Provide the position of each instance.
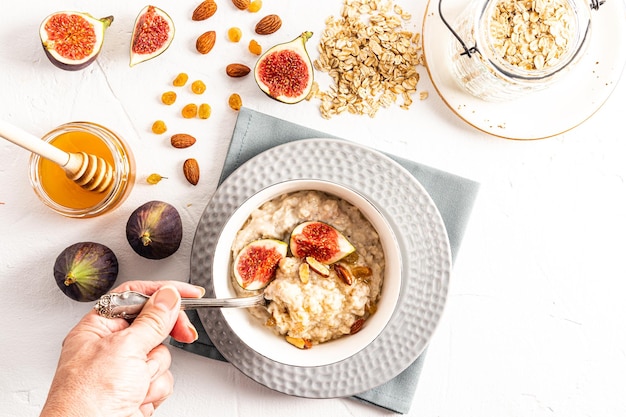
(263, 340)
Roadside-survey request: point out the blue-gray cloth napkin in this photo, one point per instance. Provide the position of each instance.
(454, 196)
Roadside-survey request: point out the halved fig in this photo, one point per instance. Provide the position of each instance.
(152, 34)
(319, 240)
(73, 40)
(285, 72)
(255, 265)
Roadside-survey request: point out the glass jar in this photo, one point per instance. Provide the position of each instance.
(517, 46)
(63, 195)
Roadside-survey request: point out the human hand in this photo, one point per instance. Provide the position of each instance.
(109, 367)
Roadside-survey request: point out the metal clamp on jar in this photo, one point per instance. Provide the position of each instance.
(518, 46)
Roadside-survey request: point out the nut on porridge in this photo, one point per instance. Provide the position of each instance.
(329, 280)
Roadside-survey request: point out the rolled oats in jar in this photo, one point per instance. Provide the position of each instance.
(517, 46)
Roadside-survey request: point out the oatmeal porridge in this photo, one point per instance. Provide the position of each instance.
(311, 300)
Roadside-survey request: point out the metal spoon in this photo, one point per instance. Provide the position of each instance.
(128, 304)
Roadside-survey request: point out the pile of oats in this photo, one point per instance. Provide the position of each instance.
(370, 57)
(532, 34)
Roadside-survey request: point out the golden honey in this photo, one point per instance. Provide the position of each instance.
(66, 197)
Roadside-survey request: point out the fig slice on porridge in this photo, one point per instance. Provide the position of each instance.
(255, 265)
(320, 241)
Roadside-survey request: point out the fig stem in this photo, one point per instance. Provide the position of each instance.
(69, 279)
(145, 239)
(106, 21)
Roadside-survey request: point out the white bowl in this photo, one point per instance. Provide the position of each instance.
(260, 338)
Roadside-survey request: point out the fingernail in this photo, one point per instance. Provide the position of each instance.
(202, 290)
(166, 298)
(193, 330)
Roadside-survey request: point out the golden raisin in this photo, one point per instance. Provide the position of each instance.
(198, 87)
(181, 79)
(154, 178)
(255, 6)
(190, 111)
(159, 127)
(234, 34)
(362, 271)
(204, 111)
(234, 101)
(169, 97)
(255, 47)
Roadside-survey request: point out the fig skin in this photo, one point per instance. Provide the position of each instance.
(99, 26)
(297, 46)
(85, 271)
(154, 230)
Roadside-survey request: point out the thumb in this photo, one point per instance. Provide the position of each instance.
(157, 318)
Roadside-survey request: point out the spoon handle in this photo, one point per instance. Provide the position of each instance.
(128, 304)
(33, 143)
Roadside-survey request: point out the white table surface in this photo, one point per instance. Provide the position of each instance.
(535, 323)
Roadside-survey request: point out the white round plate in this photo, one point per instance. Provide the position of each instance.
(566, 104)
(422, 238)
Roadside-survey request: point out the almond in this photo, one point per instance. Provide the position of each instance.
(191, 171)
(304, 273)
(182, 140)
(317, 266)
(344, 274)
(357, 326)
(299, 342)
(237, 70)
(268, 25)
(241, 4)
(204, 10)
(206, 42)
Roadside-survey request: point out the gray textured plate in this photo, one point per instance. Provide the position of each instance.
(425, 255)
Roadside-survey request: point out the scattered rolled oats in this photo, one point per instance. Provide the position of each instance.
(532, 34)
(370, 57)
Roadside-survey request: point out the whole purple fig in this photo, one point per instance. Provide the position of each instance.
(85, 271)
(154, 230)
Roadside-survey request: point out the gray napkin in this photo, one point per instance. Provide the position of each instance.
(454, 196)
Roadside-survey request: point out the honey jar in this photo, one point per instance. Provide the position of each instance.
(63, 195)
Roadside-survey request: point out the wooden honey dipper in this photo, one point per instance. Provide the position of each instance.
(89, 171)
